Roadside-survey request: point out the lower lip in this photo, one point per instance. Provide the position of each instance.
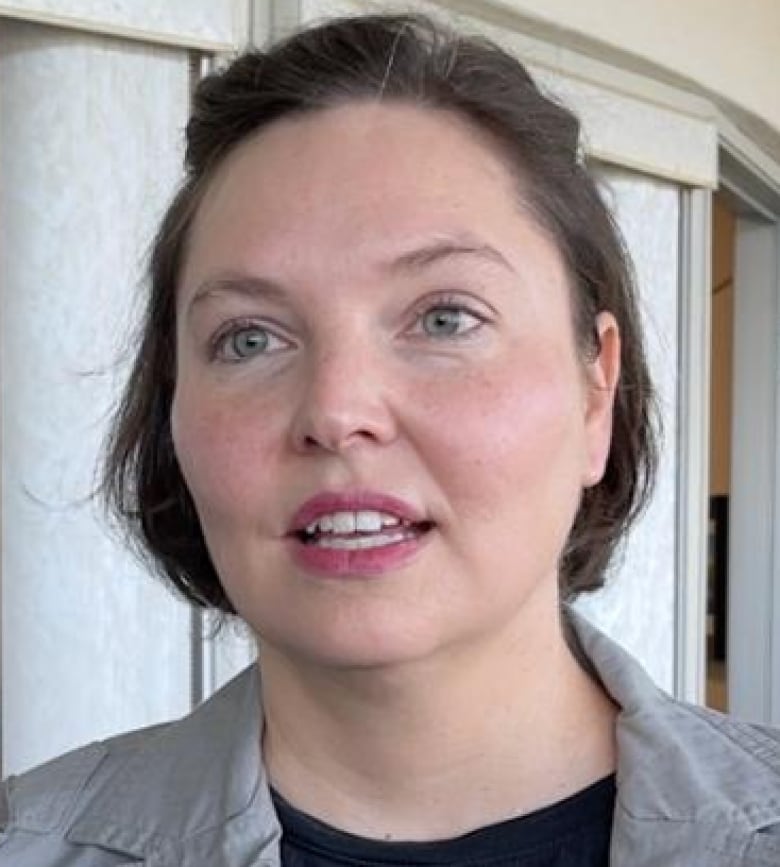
(361, 563)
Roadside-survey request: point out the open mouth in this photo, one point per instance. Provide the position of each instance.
(362, 530)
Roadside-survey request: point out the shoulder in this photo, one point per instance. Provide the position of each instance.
(40, 798)
(743, 756)
(693, 780)
(143, 791)
(44, 800)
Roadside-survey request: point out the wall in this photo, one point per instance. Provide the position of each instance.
(90, 148)
(637, 605)
(731, 49)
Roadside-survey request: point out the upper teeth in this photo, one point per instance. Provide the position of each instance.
(364, 521)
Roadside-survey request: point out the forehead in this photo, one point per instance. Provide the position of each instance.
(356, 182)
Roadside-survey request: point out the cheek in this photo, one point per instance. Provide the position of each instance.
(217, 445)
(504, 434)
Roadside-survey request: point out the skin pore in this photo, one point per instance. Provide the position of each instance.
(365, 306)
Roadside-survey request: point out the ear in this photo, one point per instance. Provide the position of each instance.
(601, 379)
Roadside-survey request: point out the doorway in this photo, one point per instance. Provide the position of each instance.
(748, 526)
(724, 227)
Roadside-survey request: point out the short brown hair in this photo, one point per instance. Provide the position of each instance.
(407, 58)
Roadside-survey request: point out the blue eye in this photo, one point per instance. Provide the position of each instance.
(243, 342)
(448, 321)
(248, 342)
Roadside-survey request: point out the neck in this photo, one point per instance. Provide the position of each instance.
(435, 749)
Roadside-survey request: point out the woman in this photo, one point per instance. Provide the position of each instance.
(391, 408)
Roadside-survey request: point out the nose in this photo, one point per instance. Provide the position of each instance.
(343, 401)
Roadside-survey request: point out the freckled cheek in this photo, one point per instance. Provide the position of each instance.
(224, 453)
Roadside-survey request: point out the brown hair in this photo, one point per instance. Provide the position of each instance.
(405, 58)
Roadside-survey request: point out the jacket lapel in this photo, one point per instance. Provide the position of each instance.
(689, 780)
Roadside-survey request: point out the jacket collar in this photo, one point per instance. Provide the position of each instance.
(689, 779)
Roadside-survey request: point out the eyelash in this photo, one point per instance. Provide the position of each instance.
(218, 343)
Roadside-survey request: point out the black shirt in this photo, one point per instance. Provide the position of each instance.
(574, 832)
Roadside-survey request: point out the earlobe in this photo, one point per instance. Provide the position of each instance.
(603, 375)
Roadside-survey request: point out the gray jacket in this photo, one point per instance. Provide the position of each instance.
(695, 789)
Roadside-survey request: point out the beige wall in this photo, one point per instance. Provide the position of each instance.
(729, 47)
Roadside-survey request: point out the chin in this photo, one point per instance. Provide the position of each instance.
(370, 644)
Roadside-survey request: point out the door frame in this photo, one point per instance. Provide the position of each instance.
(693, 443)
(753, 654)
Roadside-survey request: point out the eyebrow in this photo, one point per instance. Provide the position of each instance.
(237, 284)
(412, 260)
(422, 257)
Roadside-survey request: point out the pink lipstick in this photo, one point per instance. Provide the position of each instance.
(356, 534)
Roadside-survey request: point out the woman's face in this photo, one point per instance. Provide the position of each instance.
(379, 408)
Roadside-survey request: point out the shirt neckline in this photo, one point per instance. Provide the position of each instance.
(589, 808)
